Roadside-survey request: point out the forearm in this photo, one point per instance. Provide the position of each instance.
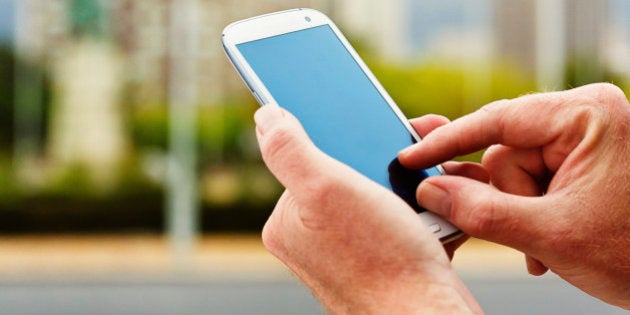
(419, 299)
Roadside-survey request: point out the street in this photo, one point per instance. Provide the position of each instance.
(229, 274)
(497, 296)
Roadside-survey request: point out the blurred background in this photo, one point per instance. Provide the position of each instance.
(130, 178)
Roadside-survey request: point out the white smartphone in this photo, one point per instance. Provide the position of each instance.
(300, 60)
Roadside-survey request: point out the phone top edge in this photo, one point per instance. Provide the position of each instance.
(235, 23)
(271, 24)
(261, 27)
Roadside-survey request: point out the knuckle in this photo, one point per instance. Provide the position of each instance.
(496, 112)
(280, 143)
(275, 229)
(271, 230)
(481, 219)
(602, 99)
(325, 190)
(269, 238)
(278, 139)
(609, 93)
(591, 113)
(272, 241)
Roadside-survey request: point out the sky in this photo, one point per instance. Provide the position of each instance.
(621, 13)
(427, 16)
(430, 17)
(6, 20)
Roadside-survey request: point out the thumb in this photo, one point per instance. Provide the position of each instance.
(484, 212)
(289, 153)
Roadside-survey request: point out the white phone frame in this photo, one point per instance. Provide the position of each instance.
(283, 22)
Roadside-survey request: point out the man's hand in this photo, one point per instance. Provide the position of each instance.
(359, 247)
(559, 165)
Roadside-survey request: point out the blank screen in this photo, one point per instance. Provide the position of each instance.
(312, 75)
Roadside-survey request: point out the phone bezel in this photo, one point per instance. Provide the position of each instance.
(278, 23)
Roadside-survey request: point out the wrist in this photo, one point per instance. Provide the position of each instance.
(402, 298)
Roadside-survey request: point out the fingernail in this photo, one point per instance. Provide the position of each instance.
(434, 199)
(266, 116)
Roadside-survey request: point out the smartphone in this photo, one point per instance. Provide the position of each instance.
(299, 60)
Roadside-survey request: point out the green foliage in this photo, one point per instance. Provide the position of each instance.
(8, 188)
(224, 129)
(508, 81)
(149, 126)
(77, 181)
(221, 128)
(232, 176)
(625, 86)
(74, 181)
(36, 104)
(6, 96)
(582, 70)
(449, 89)
(424, 89)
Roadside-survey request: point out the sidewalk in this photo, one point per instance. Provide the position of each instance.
(222, 257)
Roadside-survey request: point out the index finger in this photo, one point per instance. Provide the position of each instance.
(526, 122)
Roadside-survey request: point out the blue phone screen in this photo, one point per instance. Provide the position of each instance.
(312, 75)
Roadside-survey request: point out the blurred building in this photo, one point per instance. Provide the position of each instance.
(408, 30)
(543, 37)
(140, 29)
(515, 31)
(382, 25)
(6, 21)
(554, 40)
(399, 29)
(617, 43)
(65, 39)
(110, 53)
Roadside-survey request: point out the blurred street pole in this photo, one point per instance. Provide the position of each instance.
(550, 44)
(477, 85)
(587, 28)
(331, 8)
(182, 196)
(29, 77)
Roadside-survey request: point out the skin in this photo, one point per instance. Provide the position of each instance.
(559, 183)
(358, 247)
(554, 184)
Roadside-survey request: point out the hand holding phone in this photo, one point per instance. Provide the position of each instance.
(359, 247)
(299, 60)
